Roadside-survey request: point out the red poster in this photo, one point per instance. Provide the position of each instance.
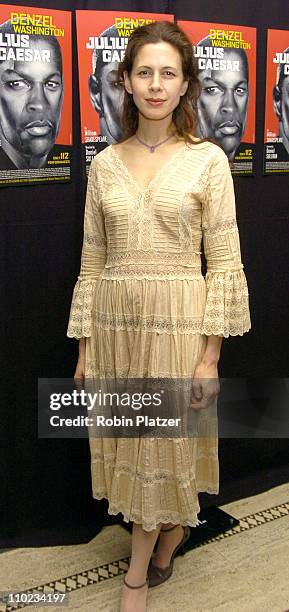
(276, 132)
(102, 37)
(226, 57)
(35, 95)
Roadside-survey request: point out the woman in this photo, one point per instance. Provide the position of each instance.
(141, 307)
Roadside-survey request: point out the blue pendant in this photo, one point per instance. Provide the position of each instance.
(152, 149)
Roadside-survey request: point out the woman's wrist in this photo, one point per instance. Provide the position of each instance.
(212, 352)
(81, 347)
(210, 360)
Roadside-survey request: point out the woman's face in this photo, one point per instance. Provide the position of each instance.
(156, 74)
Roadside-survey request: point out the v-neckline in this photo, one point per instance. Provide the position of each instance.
(162, 170)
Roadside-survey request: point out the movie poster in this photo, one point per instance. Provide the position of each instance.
(102, 37)
(35, 95)
(227, 105)
(276, 132)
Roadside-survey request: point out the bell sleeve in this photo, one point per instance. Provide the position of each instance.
(227, 300)
(93, 259)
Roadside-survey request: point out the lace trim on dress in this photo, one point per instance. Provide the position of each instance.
(147, 479)
(152, 264)
(151, 272)
(223, 227)
(149, 524)
(92, 239)
(109, 371)
(79, 325)
(140, 227)
(188, 258)
(153, 322)
(227, 308)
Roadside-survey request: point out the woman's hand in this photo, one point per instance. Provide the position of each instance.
(206, 385)
(79, 374)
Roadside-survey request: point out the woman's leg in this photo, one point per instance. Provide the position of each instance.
(167, 544)
(141, 551)
(134, 600)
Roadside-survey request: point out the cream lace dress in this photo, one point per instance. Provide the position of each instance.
(146, 311)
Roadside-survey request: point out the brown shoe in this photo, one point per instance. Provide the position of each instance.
(158, 575)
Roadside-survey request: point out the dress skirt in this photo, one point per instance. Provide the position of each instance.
(150, 480)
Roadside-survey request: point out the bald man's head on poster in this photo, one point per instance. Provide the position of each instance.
(105, 93)
(31, 96)
(223, 102)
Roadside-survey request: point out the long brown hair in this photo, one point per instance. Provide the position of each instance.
(184, 116)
